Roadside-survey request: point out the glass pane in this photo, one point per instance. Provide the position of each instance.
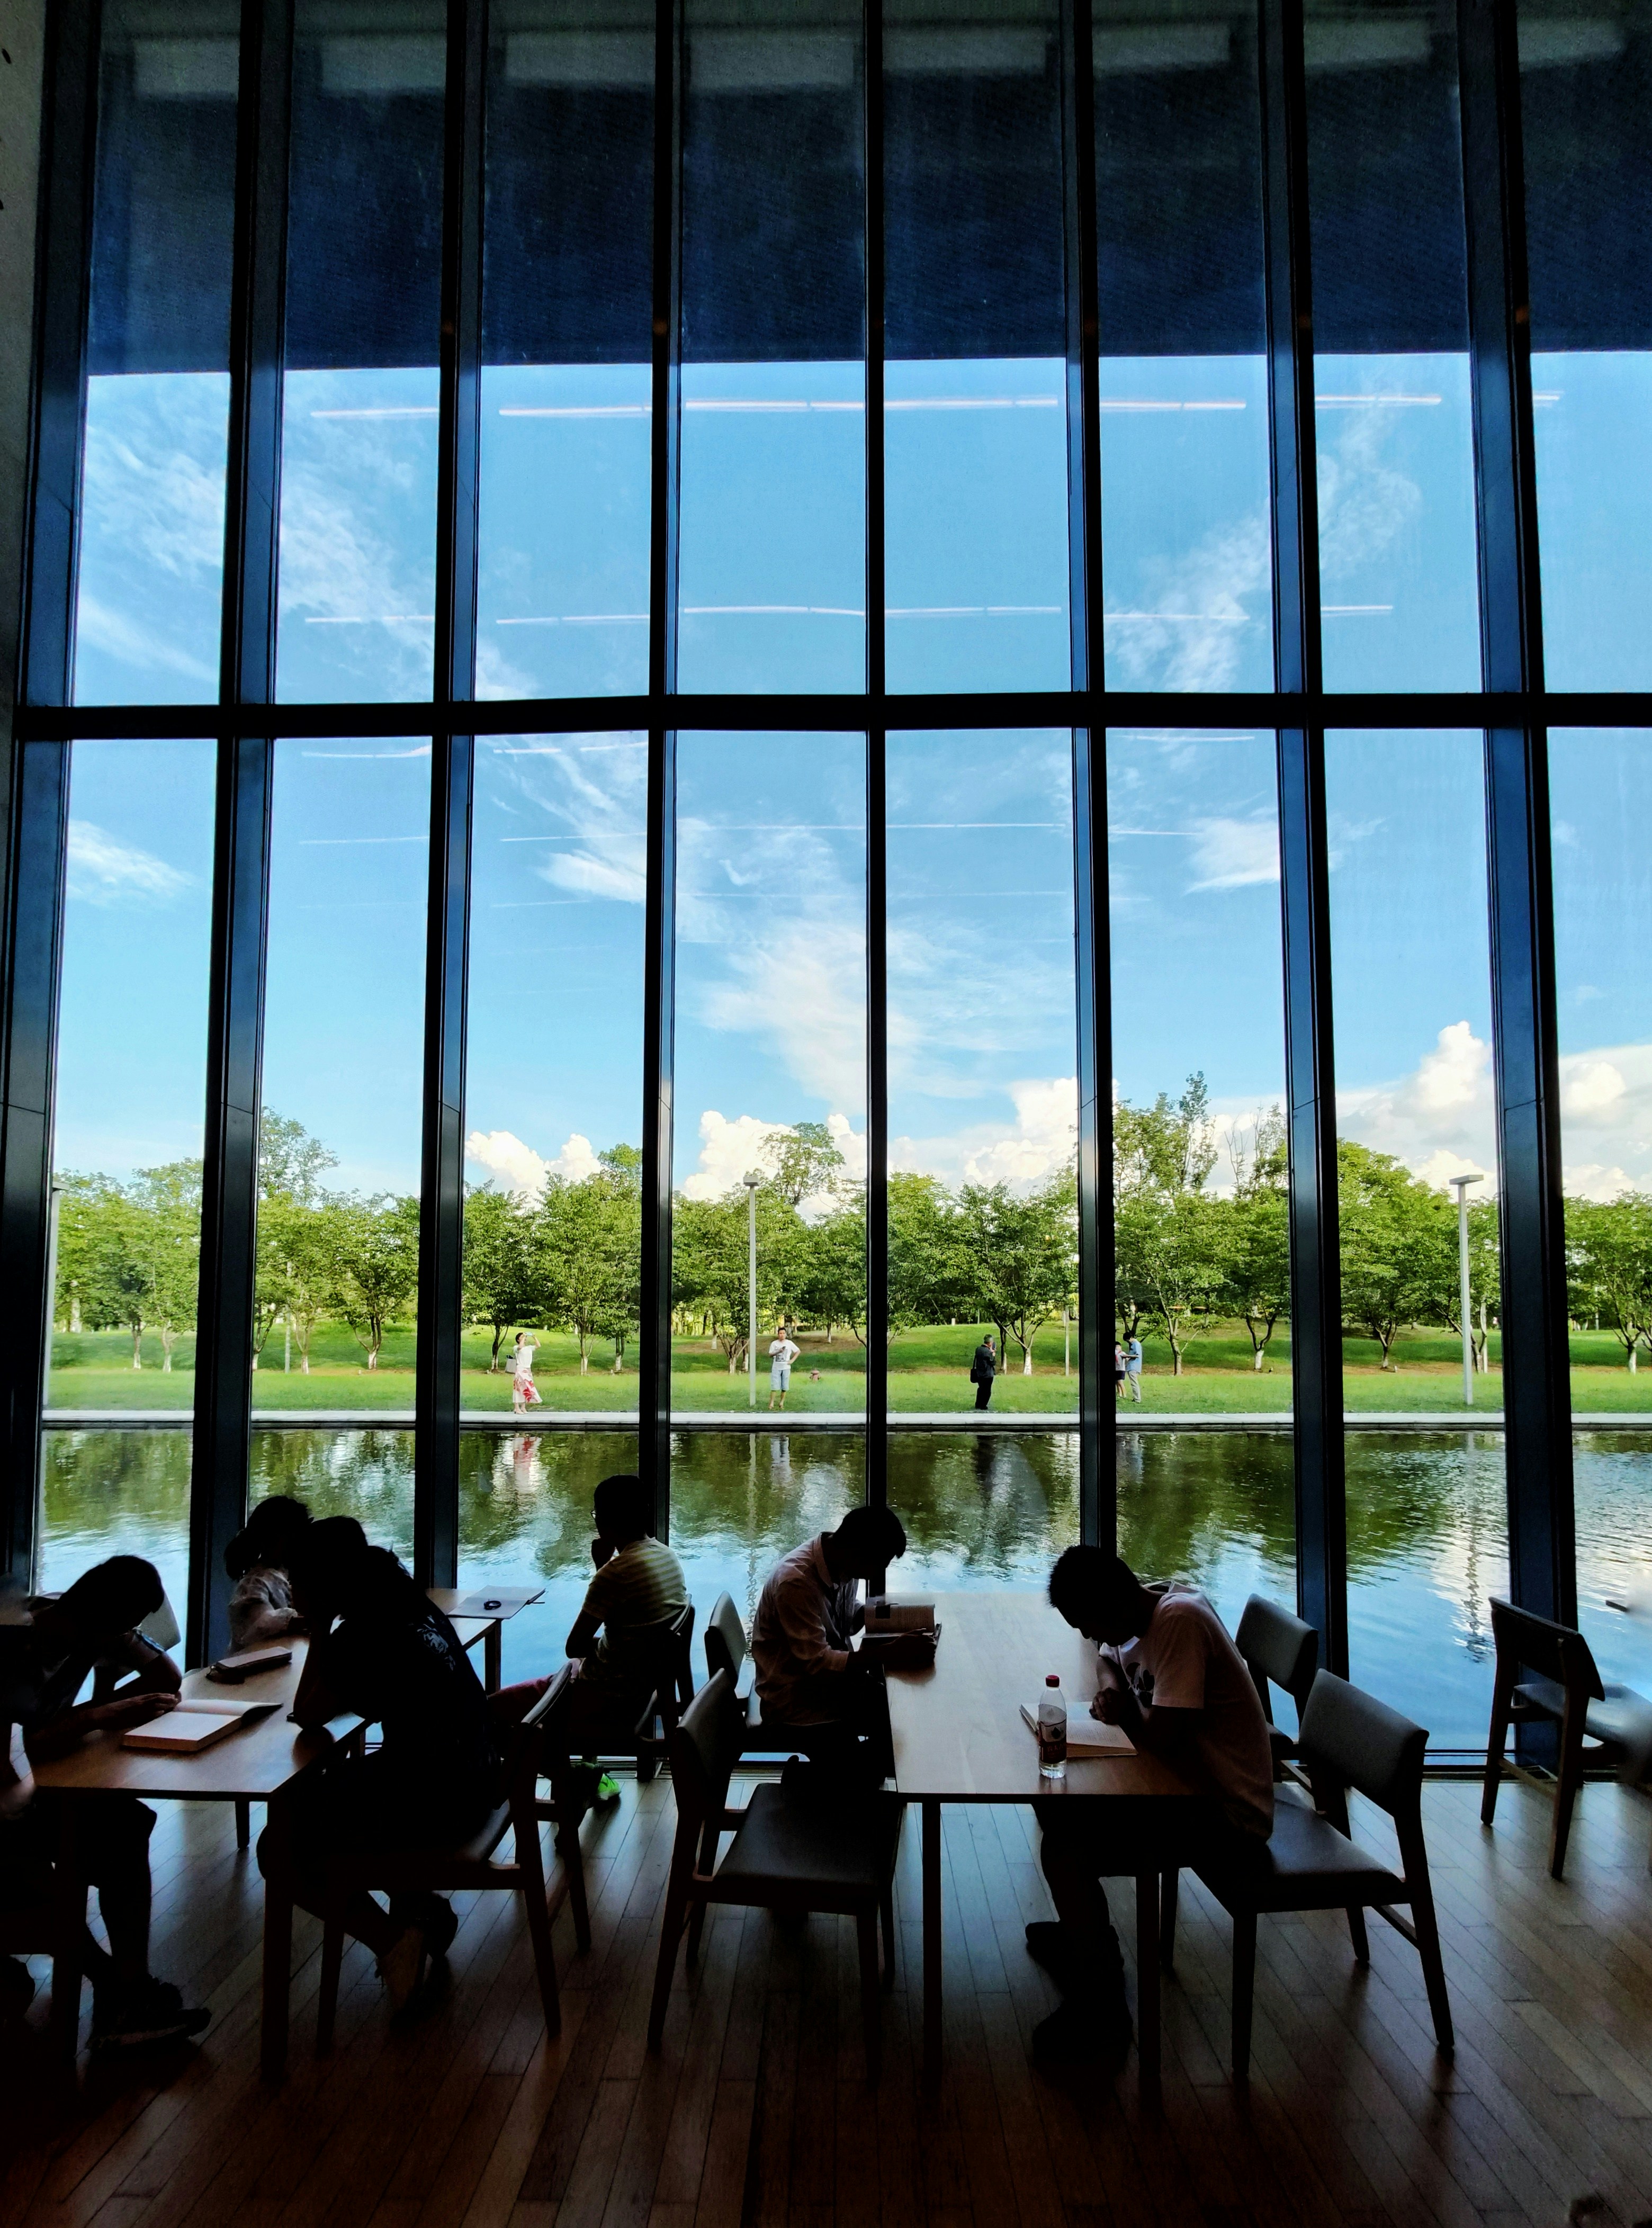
(1600, 790)
(366, 1475)
(1585, 84)
(127, 1142)
(984, 1509)
(1412, 991)
(1217, 1507)
(1201, 1238)
(974, 384)
(1398, 572)
(343, 1063)
(983, 1071)
(1184, 403)
(149, 591)
(770, 1072)
(359, 438)
(553, 1071)
(562, 596)
(772, 585)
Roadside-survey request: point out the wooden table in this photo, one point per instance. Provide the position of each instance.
(260, 1762)
(480, 1613)
(959, 1737)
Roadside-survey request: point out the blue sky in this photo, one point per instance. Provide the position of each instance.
(770, 998)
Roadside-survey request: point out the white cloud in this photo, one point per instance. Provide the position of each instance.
(1365, 504)
(104, 872)
(520, 1169)
(729, 1150)
(1229, 855)
(1439, 1119)
(1223, 584)
(1041, 1142)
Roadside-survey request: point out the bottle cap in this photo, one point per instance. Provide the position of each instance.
(1052, 1678)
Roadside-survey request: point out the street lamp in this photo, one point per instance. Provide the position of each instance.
(1460, 1185)
(752, 1179)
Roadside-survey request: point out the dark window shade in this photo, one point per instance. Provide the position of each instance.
(1588, 179)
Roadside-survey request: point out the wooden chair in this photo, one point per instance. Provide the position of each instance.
(673, 1676)
(539, 1741)
(1348, 1739)
(725, 1650)
(1561, 1686)
(1279, 1650)
(783, 1857)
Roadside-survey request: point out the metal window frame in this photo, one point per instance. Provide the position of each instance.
(1513, 709)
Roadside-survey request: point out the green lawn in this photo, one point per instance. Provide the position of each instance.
(929, 1371)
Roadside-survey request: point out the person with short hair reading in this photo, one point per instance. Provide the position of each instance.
(1176, 1685)
(613, 1643)
(260, 1559)
(810, 1678)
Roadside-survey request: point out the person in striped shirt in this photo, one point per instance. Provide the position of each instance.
(638, 1588)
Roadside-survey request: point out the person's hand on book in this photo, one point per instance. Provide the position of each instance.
(903, 1651)
(130, 1710)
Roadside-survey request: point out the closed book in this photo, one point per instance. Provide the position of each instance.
(245, 1663)
(192, 1727)
(1086, 1736)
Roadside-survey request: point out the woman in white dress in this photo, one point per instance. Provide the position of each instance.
(524, 1393)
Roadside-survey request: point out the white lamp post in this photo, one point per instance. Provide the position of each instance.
(751, 1180)
(1460, 1185)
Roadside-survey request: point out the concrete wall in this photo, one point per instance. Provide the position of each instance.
(21, 40)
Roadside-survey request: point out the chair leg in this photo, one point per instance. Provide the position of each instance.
(1244, 1991)
(1428, 1948)
(888, 1912)
(1169, 1883)
(332, 1959)
(243, 1823)
(676, 1911)
(568, 1847)
(866, 1928)
(1495, 1741)
(710, 1835)
(1568, 1780)
(539, 1930)
(1357, 1934)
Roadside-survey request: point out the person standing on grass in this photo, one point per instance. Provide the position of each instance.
(782, 1354)
(524, 1394)
(1118, 1371)
(1133, 1366)
(982, 1370)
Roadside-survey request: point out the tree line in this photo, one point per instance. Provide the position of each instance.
(1192, 1255)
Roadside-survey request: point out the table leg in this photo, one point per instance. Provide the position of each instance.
(277, 1936)
(1147, 1974)
(491, 1656)
(68, 1925)
(932, 1941)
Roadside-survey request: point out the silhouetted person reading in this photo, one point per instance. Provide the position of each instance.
(48, 1650)
(260, 1559)
(810, 1677)
(614, 1643)
(1171, 1677)
(379, 1647)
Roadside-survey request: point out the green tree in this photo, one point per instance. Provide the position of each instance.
(1021, 1252)
(1608, 1260)
(803, 1162)
(830, 1284)
(587, 1243)
(168, 1204)
(1395, 1232)
(371, 1252)
(1172, 1257)
(1258, 1254)
(928, 1255)
(498, 1263)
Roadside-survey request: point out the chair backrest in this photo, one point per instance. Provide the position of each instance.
(682, 1662)
(725, 1639)
(1554, 1651)
(1359, 1742)
(532, 1747)
(704, 1749)
(1280, 1648)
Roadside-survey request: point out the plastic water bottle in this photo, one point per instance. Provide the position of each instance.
(1052, 1729)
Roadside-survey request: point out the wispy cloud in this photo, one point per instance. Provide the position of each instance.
(1229, 855)
(1022, 1154)
(103, 871)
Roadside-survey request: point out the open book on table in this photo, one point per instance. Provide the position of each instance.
(192, 1725)
(1086, 1736)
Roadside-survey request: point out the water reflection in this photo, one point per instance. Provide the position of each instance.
(1427, 1532)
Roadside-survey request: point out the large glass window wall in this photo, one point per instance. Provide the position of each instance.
(857, 939)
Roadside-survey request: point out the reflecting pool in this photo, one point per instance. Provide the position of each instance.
(1427, 1532)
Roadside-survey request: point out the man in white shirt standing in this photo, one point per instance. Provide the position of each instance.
(1172, 1678)
(782, 1354)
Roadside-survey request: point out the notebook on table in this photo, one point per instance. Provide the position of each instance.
(192, 1725)
(1086, 1736)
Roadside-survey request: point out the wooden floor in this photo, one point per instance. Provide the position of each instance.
(757, 2111)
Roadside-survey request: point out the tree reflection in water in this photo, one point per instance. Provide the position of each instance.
(1426, 1525)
